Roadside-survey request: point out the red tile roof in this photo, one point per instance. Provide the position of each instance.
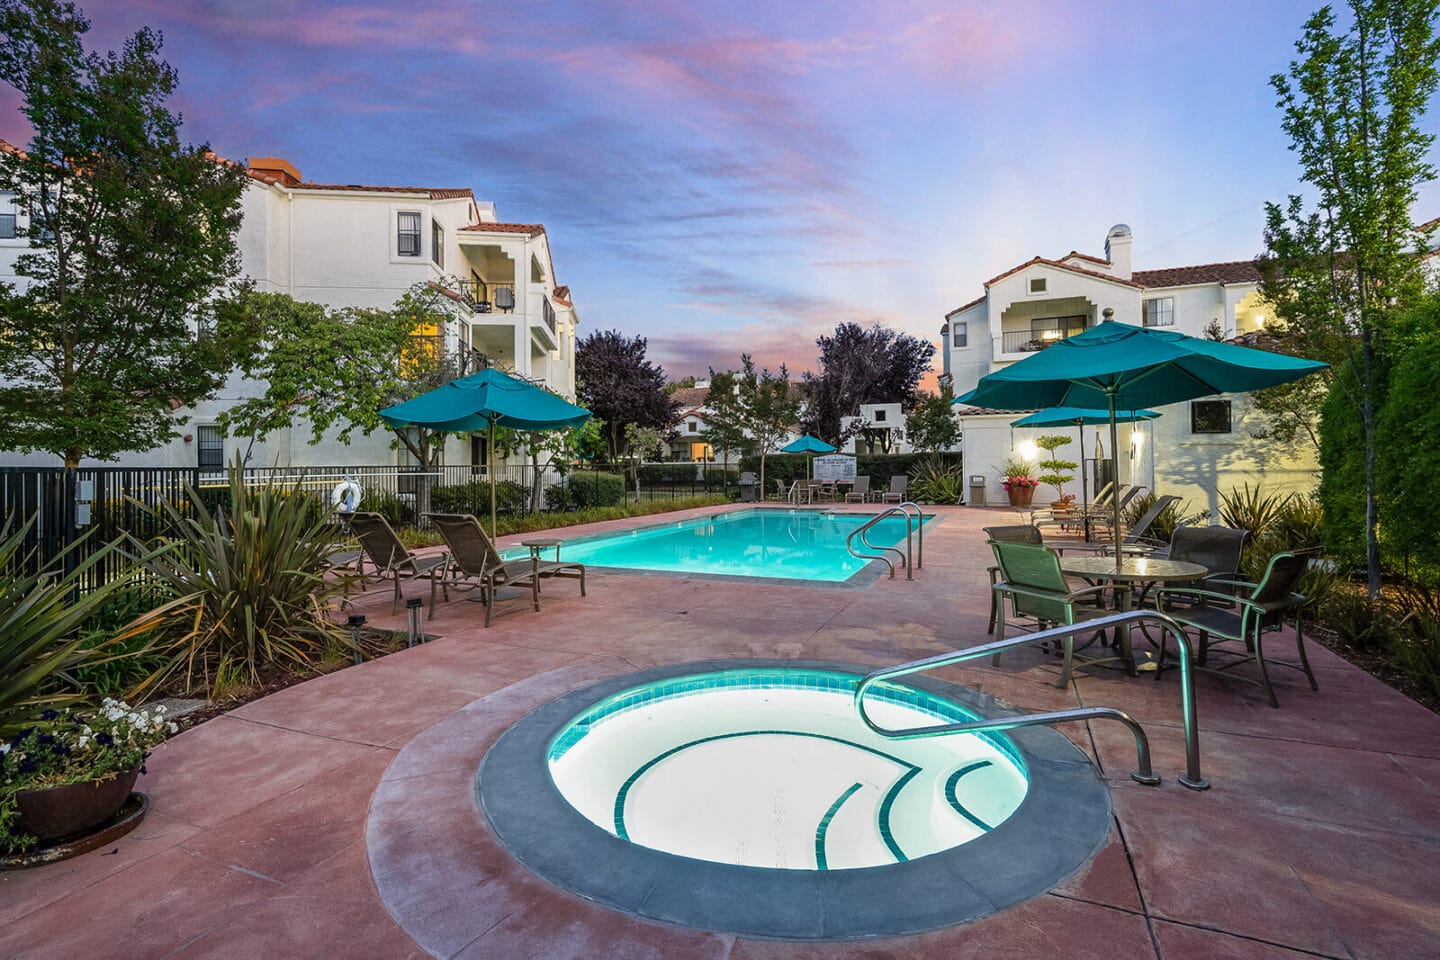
(1085, 256)
(962, 410)
(530, 229)
(1234, 271)
(964, 306)
(1061, 266)
(692, 398)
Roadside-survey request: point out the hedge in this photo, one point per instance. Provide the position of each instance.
(878, 467)
(474, 497)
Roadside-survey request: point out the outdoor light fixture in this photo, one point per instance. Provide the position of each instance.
(1027, 450)
(356, 621)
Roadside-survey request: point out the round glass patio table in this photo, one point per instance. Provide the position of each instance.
(1126, 575)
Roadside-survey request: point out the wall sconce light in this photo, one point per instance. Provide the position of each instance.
(1027, 450)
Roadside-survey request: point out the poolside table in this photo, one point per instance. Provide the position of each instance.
(1128, 576)
(542, 543)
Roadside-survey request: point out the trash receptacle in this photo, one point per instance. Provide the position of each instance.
(749, 488)
(977, 490)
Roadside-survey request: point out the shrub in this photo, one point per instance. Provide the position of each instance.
(389, 505)
(114, 667)
(244, 590)
(40, 620)
(474, 497)
(936, 481)
(532, 522)
(594, 488)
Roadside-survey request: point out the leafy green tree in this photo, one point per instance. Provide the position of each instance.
(338, 367)
(757, 405)
(932, 426)
(1353, 105)
(132, 240)
(1409, 460)
(619, 385)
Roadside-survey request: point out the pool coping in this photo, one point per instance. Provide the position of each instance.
(1063, 822)
(866, 575)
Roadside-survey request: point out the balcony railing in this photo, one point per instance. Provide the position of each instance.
(1039, 336)
(480, 295)
(549, 314)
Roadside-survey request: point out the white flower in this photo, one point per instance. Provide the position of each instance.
(81, 743)
(160, 709)
(174, 728)
(5, 747)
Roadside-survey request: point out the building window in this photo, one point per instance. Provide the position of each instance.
(692, 427)
(209, 449)
(7, 226)
(407, 235)
(879, 416)
(1037, 285)
(962, 334)
(1210, 416)
(1160, 312)
(437, 244)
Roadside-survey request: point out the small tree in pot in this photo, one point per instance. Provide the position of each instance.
(1054, 467)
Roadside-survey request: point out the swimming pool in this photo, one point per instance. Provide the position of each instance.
(785, 544)
(773, 768)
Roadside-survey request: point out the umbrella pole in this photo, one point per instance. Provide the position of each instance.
(490, 455)
(1115, 471)
(1084, 483)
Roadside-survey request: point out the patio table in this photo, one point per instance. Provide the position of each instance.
(1125, 575)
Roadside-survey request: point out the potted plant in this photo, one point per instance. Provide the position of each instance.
(72, 771)
(1018, 481)
(1055, 469)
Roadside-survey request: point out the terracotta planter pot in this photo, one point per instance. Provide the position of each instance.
(1020, 496)
(53, 812)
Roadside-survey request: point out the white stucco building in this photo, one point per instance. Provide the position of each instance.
(364, 246)
(1195, 450)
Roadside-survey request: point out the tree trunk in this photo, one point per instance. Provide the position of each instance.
(1367, 417)
(762, 471)
(534, 482)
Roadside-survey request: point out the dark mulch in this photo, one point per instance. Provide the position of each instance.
(1375, 662)
(374, 643)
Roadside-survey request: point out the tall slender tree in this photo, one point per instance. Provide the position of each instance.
(132, 242)
(755, 404)
(1353, 103)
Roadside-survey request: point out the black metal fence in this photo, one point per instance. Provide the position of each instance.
(92, 506)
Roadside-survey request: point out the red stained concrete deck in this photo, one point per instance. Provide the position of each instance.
(1319, 838)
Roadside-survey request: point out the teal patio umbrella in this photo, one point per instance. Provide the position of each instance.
(483, 401)
(811, 445)
(1115, 366)
(1080, 417)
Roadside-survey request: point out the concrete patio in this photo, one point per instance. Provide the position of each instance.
(1318, 838)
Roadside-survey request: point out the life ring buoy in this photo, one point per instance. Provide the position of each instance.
(346, 496)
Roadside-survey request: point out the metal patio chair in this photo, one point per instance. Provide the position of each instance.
(474, 563)
(1244, 616)
(899, 489)
(1037, 589)
(389, 557)
(859, 492)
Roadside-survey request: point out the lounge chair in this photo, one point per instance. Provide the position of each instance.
(1137, 538)
(474, 563)
(390, 558)
(859, 491)
(899, 488)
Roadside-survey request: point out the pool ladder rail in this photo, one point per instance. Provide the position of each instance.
(1142, 774)
(914, 535)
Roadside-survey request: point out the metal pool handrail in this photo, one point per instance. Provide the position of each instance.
(1192, 778)
(904, 555)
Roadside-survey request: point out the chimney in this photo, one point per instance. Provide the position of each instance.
(1117, 250)
(276, 167)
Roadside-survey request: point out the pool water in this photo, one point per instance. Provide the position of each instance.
(773, 768)
(787, 544)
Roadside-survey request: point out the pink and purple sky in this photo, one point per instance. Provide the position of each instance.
(744, 176)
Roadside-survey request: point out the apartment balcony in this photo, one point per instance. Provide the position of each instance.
(1017, 344)
(485, 298)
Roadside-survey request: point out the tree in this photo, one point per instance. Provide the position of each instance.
(1352, 104)
(618, 385)
(640, 441)
(756, 405)
(685, 383)
(132, 242)
(932, 426)
(859, 365)
(1054, 465)
(338, 367)
(1409, 457)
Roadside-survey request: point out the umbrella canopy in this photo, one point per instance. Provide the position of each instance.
(483, 401)
(808, 444)
(1118, 366)
(1080, 417)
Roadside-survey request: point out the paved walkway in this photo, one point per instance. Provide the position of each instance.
(1319, 837)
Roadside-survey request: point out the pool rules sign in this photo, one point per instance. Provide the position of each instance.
(835, 466)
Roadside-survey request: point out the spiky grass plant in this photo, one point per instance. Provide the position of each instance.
(42, 610)
(246, 587)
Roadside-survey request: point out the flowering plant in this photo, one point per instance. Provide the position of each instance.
(1020, 480)
(69, 748)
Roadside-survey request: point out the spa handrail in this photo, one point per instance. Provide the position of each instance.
(1192, 778)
